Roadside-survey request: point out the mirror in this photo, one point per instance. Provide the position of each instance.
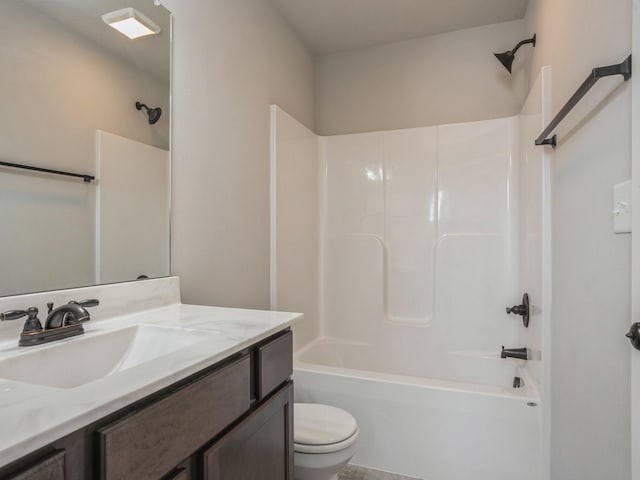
(68, 86)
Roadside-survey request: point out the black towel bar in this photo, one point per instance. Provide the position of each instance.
(623, 69)
(86, 178)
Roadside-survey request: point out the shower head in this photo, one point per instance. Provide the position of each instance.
(506, 58)
(152, 113)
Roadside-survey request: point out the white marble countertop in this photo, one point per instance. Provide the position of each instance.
(32, 416)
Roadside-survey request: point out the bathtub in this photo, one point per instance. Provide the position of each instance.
(451, 416)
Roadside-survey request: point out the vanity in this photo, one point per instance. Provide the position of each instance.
(170, 391)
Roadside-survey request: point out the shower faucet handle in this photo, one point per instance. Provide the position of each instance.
(517, 309)
(522, 310)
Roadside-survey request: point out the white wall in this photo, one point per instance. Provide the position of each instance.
(590, 438)
(447, 78)
(232, 59)
(295, 223)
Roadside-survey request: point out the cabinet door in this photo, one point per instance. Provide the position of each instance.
(260, 447)
(51, 468)
(152, 440)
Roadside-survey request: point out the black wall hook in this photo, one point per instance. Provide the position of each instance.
(522, 310)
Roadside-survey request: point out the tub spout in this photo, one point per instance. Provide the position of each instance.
(520, 353)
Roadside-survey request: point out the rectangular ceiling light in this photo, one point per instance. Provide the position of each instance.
(131, 22)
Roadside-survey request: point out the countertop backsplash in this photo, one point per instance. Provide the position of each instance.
(115, 299)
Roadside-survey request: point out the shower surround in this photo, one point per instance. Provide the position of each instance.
(420, 241)
(403, 248)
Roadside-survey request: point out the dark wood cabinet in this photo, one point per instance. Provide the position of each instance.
(258, 448)
(51, 467)
(232, 421)
(275, 364)
(179, 474)
(152, 440)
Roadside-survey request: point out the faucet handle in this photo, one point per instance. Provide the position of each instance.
(92, 302)
(31, 325)
(12, 315)
(522, 309)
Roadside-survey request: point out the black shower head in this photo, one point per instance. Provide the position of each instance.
(153, 113)
(506, 58)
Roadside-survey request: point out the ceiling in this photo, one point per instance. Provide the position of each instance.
(84, 17)
(328, 26)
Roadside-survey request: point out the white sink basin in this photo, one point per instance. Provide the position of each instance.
(84, 359)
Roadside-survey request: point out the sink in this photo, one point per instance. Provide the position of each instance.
(84, 359)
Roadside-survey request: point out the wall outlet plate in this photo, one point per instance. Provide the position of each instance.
(622, 207)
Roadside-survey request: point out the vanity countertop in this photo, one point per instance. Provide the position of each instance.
(32, 416)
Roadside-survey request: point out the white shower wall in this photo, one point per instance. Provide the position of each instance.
(381, 226)
(535, 248)
(413, 242)
(295, 223)
(421, 238)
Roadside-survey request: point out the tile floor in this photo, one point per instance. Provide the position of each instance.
(354, 472)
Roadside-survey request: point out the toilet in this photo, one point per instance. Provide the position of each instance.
(324, 441)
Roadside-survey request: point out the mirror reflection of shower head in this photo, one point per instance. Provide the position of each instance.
(506, 58)
(152, 113)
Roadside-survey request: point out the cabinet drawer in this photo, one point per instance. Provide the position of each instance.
(275, 364)
(151, 441)
(51, 468)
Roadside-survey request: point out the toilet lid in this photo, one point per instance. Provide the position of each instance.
(316, 424)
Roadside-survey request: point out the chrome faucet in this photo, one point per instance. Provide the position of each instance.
(62, 322)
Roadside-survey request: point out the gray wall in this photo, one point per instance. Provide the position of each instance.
(590, 405)
(433, 80)
(232, 59)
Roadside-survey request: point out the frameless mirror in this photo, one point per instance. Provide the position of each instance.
(69, 88)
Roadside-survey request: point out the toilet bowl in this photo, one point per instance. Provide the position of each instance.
(324, 441)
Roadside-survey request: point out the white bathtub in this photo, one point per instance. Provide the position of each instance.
(452, 417)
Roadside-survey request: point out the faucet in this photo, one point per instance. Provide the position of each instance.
(62, 322)
(70, 314)
(520, 353)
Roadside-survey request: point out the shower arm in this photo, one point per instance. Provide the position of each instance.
(523, 42)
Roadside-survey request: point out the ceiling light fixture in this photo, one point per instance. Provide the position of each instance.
(131, 22)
